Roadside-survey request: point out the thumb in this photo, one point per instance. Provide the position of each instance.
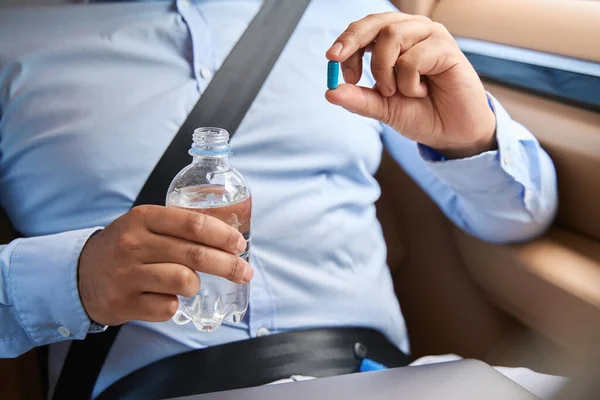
(360, 100)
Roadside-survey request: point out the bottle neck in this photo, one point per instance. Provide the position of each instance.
(215, 163)
(211, 147)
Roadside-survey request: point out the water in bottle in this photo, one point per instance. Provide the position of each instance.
(209, 185)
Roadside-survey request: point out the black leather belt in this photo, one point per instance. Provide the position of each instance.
(254, 362)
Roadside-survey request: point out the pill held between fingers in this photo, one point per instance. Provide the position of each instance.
(333, 73)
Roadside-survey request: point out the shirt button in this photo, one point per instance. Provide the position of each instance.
(64, 332)
(205, 73)
(262, 332)
(185, 3)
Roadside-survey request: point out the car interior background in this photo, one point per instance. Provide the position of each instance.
(534, 304)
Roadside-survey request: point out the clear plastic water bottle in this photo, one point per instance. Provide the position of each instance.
(209, 185)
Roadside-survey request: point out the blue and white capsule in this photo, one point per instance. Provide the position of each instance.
(333, 74)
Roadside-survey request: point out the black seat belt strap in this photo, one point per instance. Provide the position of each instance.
(232, 90)
(223, 104)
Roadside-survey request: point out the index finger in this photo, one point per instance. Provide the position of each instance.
(361, 33)
(192, 226)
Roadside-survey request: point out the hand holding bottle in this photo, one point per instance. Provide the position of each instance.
(136, 267)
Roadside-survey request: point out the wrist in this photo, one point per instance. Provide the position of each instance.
(84, 293)
(485, 141)
(483, 145)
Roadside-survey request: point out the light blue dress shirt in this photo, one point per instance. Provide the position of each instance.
(90, 97)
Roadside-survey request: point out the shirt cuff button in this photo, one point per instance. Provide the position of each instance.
(205, 73)
(64, 332)
(262, 332)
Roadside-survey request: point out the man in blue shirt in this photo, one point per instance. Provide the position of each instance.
(90, 97)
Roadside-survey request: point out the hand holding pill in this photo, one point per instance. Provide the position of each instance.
(426, 89)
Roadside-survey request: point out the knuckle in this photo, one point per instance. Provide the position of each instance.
(236, 269)
(353, 26)
(197, 256)
(440, 28)
(405, 62)
(391, 30)
(193, 287)
(113, 300)
(170, 308)
(139, 212)
(366, 102)
(232, 239)
(352, 32)
(159, 279)
(180, 279)
(423, 18)
(189, 291)
(385, 114)
(129, 242)
(195, 222)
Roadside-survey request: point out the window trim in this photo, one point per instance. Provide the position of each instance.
(563, 79)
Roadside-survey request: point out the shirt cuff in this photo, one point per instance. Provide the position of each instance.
(491, 168)
(43, 286)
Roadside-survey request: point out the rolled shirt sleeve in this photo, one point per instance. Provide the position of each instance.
(504, 195)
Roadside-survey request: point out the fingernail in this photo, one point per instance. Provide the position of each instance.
(241, 246)
(248, 273)
(336, 49)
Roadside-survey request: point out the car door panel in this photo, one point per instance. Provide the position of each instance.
(539, 302)
(565, 27)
